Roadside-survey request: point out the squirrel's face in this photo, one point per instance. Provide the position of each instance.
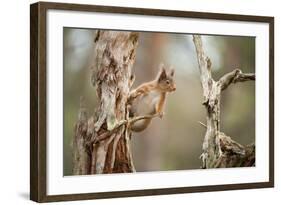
(166, 81)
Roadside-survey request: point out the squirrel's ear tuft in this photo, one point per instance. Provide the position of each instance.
(162, 73)
(172, 72)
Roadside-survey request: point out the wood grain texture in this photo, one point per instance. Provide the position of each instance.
(34, 191)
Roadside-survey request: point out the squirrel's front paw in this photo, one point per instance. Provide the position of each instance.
(161, 114)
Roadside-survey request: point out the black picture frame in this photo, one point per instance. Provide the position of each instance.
(38, 100)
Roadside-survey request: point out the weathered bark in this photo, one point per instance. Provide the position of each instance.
(81, 154)
(102, 142)
(219, 150)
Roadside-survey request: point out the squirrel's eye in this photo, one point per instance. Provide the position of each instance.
(167, 81)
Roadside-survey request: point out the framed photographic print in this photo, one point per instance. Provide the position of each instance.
(134, 102)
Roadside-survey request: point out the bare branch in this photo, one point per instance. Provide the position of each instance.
(135, 119)
(245, 77)
(203, 125)
(234, 77)
(204, 67)
(119, 124)
(219, 150)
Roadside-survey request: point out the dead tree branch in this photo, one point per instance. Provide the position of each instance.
(234, 77)
(127, 122)
(219, 150)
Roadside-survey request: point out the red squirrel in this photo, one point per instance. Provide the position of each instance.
(149, 98)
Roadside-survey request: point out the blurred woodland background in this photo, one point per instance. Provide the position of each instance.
(174, 142)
